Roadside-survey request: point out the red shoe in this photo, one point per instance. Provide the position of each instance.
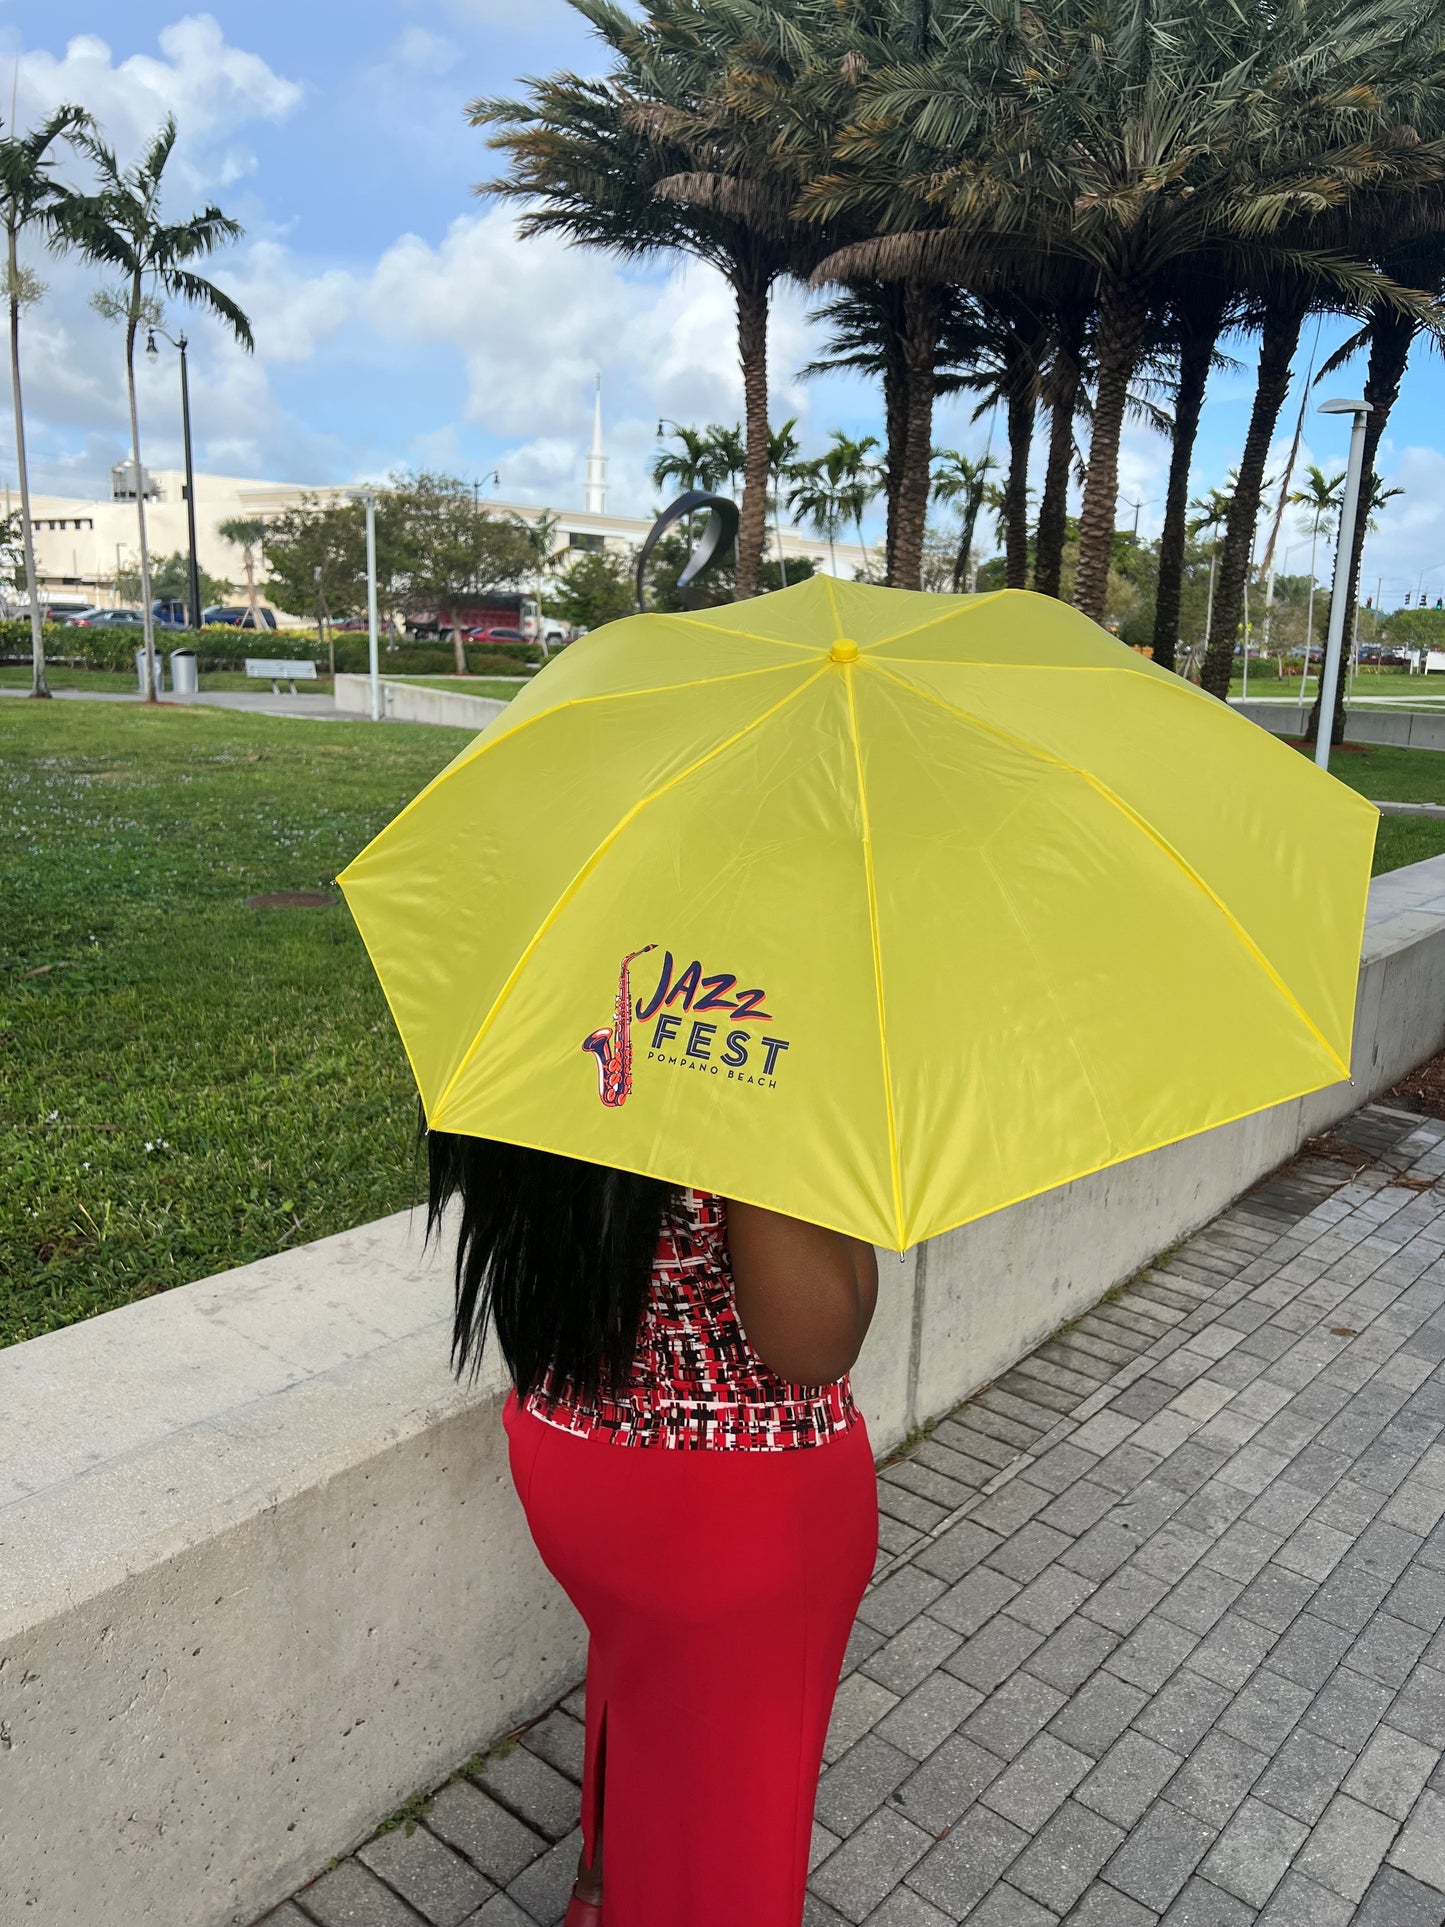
(582, 1913)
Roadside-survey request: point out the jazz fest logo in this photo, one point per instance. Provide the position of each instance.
(687, 1009)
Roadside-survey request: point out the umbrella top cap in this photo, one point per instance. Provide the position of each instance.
(844, 650)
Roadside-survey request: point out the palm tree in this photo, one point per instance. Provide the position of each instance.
(1211, 517)
(120, 227)
(1196, 317)
(831, 490)
(691, 464)
(861, 478)
(1320, 498)
(247, 532)
(30, 198)
(958, 478)
(783, 451)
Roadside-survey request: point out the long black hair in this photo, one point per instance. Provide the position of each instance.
(552, 1254)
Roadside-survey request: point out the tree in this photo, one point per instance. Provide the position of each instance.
(692, 463)
(958, 478)
(120, 228)
(316, 556)
(1320, 498)
(247, 532)
(454, 551)
(171, 582)
(597, 588)
(30, 200)
(836, 487)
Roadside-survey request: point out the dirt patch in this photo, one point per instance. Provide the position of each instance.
(1423, 1090)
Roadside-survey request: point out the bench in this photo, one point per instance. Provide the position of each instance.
(265, 669)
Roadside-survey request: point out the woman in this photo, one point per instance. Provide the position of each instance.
(696, 1475)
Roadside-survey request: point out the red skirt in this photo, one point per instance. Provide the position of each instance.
(718, 1589)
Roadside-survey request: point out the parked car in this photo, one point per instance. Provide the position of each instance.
(242, 617)
(107, 619)
(493, 634)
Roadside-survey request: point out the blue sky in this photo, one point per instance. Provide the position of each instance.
(399, 321)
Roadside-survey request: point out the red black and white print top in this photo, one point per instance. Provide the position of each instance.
(696, 1381)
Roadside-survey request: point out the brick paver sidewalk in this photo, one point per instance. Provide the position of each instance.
(1156, 1631)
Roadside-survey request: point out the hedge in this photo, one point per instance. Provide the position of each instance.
(219, 647)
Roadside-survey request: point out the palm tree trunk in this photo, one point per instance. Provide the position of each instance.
(895, 410)
(39, 686)
(1391, 336)
(973, 502)
(146, 612)
(1020, 387)
(1121, 334)
(915, 484)
(863, 545)
(752, 287)
(1195, 355)
(1054, 503)
(459, 649)
(1278, 341)
(249, 564)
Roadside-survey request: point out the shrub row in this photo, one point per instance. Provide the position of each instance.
(218, 647)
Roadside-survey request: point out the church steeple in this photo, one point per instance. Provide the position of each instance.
(597, 462)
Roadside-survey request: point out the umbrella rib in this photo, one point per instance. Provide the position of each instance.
(753, 635)
(596, 857)
(833, 605)
(949, 615)
(1131, 815)
(483, 742)
(893, 1168)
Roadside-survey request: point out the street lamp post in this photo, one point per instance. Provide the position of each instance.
(1344, 548)
(193, 573)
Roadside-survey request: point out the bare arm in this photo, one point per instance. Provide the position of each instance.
(805, 1295)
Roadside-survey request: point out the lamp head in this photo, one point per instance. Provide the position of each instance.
(1342, 407)
(152, 352)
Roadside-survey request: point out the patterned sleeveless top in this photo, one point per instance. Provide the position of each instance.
(696, 1381)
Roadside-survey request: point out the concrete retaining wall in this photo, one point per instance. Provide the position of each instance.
(261, 1571)
(405, 702)
(1400, 728)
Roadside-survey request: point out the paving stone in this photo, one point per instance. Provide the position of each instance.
(1397, 1900)
(1420, 1849)
(1213, 1781)
(1304, 1776)
(1071, 1654)
(1266, 1710)
(1348, 1843)
(963, 1868)
(1233, 1650)
(349, 1896)
(1253, 1853)
(537, 1793)
(1183, 1711)
(926, 1717)
(973, 1600)
(904, 1908)
(1039, 1781)
(1007, 1907)
(543, 1889)
(1051, 1598)
(1299, 1902)
(1010, 1717)
(1202, 1904)
(863, 1642)
(1276, 1597)
(1123, 1601)
(957, 1551)
(994, 1653)
(902, 1596)
(960, 1434)
(1418, 1597)
(1419, 1709)
(1026, 1552)
(1105, 1906)
(288, 1914)
(858, 1783)
(912, 1654)
(867, 1867)
(1095, 1716)
(1391, 1773)
(1200, 1600)
(821, 1844)
(1310, 1651)
(859, 1705)
(1159, 1855)
(1064, 1858)
(947, 1784)
(1128, 1778)
(561, 1741)
(489, 1836)
(1081, 1506)
(1152, 1652)
(1387, 1649)
(436, 1881)
(930, 1484)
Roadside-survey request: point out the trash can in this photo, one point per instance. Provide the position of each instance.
(183, 672)
(140, 670)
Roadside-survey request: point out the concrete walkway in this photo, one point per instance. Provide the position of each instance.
(1156, 1627)
(258, 702)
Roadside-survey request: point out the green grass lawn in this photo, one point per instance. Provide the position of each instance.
(122, 683)
(188, 1083)
(496, 686)
(1392, 683)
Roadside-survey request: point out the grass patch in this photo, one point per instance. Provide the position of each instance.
(1397, 776)
(189, 1084)
(112, 682)
(496, 686)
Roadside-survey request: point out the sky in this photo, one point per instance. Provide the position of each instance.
(399, 320)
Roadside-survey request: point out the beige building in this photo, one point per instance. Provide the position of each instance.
(82, 546)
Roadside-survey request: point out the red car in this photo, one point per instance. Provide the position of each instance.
(493, 635)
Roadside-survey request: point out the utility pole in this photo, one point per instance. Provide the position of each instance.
(1344, 547)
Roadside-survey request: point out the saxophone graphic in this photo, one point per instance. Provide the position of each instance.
(613, 1048)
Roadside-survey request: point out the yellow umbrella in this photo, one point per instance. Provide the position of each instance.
(879, 909)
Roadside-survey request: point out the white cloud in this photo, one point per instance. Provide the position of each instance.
(213, 88)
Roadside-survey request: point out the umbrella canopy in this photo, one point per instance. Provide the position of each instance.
(879, 909)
